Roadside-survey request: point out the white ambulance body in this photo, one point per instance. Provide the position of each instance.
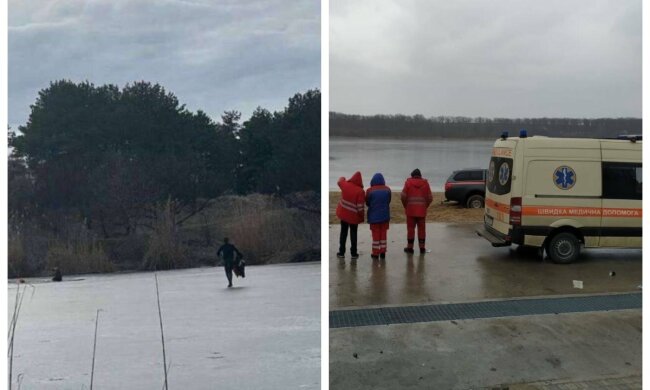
(562, 193)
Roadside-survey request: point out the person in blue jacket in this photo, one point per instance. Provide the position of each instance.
(378, 198)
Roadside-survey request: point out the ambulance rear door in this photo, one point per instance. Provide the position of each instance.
(499, 185)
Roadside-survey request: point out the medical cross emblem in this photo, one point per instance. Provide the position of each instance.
(504, 174)
(564, 177)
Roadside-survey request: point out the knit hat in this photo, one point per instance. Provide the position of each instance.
(416, 173)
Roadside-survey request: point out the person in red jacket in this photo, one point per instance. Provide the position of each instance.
(350, 211)
(416, 198)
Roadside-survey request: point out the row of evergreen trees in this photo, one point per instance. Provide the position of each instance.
(110, 155)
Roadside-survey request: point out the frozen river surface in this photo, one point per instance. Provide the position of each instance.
(262, 334)
(396, 158)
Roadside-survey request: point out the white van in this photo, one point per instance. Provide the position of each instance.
(561, 193)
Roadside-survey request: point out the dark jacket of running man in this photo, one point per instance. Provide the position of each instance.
(416, 198)
(351, 211)
(227, 251)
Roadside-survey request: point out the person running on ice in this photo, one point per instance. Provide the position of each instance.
(416, 198)
(227, 252)
(350, 211)
(378, 198)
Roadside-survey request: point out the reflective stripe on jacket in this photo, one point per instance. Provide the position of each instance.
(351, 207)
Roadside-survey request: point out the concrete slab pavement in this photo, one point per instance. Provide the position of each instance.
(569, 349)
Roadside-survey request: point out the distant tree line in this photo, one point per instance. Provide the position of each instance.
(418, 126)
(109, 156)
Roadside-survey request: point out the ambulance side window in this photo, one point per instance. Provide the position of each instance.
(622, 180)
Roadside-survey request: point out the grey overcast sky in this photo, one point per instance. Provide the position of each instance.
(215, 55)
(505, 58)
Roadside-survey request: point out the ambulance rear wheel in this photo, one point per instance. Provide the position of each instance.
(475, 202)
(564, 248)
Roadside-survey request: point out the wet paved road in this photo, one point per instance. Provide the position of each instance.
(464, 267)
(551, 351)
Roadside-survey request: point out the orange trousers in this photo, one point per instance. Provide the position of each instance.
(379, 237)
(411, 223)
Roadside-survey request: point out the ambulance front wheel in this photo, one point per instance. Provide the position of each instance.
(564, 248)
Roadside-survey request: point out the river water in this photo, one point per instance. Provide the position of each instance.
(396, 158)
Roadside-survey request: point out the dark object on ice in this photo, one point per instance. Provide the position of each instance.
(612, 273)
(355, 355)
(57, 275)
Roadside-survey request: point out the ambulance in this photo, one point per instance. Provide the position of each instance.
(562, 194)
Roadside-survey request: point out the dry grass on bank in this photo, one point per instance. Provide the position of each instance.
(78, 256)
(16, 258)
(264, 227)
(261, 226)
(165, 250)
(438, 211)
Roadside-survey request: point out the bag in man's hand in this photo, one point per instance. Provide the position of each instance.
(240, 267)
